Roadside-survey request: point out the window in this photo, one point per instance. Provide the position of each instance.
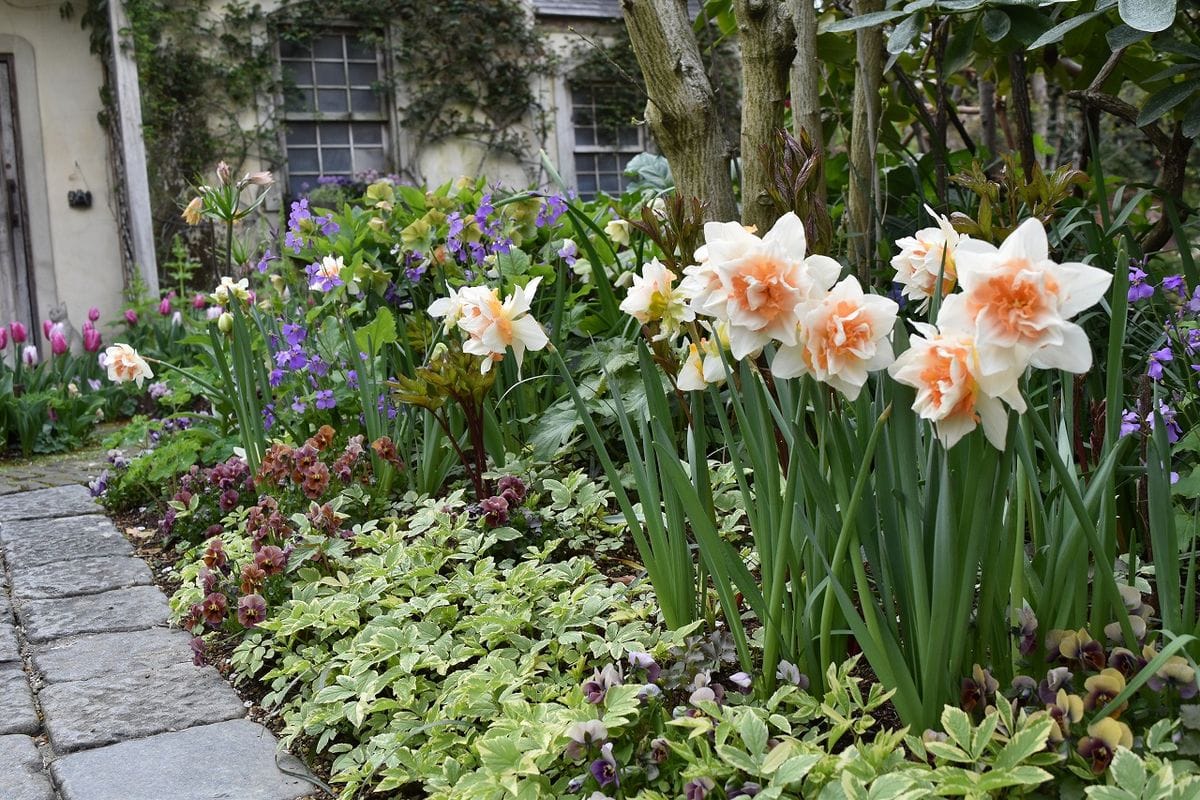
(335, 118)
(605, 143)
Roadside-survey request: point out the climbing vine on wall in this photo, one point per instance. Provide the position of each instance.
(467, 71)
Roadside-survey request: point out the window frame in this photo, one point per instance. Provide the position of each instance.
(570, 147)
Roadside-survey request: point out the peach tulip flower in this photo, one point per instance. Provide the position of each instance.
(1017, 303)
(944, 369)
(923, 257)
(842, 338)
(124, 365)
(761, 287)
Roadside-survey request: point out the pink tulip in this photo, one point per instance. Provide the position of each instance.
(93, 314)
(58, 343)
(91, 340)
(19, 334)
(3, 337)
(164, 308)
(131, 316)
(198, 301)
(29, 355)
(47, 326)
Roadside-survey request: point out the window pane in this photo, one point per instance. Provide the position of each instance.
(299, 184)
(371, 158)
(607, 163)
(630, 137)
(334, 133)
(364, 101)
(606, 136)
(610, 184)
(328, 47)
(301, 133)
(587, 185)
(302, 159)
(364, 74)
(585, 162)
(290, 49)
(358, 49)
(332, 101)
(335, 161)
(625, 158)
(331, 74)
(298, 72)
(585, 136)
(367, 133)
(300, 100)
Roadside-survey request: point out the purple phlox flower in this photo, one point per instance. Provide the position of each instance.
(292, 358)
(1193, 305)
(554, 207)
(485, 210)
(158, 390)
(567, 251)
(352, 379)
(275, 377)
(319, 282)
(298, 405)
(1174, 283)
(294, 237)
(1168, 417)
(319, 366)
(414, 274)
(604, 768)
(1156, 361)
(294, 334)
(268, 413)
(265, 261)
(1139, 288)
(501, 246)
(1131, 422)
(328, 226)
(325, 399)
(478, 252)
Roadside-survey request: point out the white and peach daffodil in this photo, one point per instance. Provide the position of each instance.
(923, 257)
(494, 326)
(704, 364)
(944, 369)
(1017, 303)
(761, 287)
(841, 338)
(124, 365)
(228, 287)
(653, 298)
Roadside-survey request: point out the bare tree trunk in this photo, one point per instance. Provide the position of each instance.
(1040, 107)
(864, 121)
(767, 39)
(1020, 105)
(987, 115)
(681, 110)
(806, 80)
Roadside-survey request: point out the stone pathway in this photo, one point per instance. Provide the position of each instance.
(99, 700)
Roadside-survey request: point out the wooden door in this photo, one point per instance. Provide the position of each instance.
(16, 284)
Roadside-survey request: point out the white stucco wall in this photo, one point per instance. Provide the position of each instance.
(76, 252)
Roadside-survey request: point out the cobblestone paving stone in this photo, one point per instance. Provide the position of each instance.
(89, 670)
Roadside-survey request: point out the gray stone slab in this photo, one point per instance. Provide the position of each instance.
(119, 610)
(5, 606)
(28, 543)
(16, 702)
(59, 501)
(21, 775)
(8, 643)
(228, 761)
(85, 657)
(79, 576)
(135, 703)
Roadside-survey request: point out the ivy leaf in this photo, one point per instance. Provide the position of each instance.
(996, 24)
(1147, 15)
(1162, 101)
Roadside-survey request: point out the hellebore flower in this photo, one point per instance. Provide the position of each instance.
(252, 609)
(124, 365)
(925, 256)
(1102, 741)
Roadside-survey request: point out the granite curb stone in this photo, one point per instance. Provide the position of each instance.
(95, 655)
(57, 501)
(79, 576)
(8, 642)
(119, 610)
(134, 704)
(30, 543)
(232, 760)
(21, 775)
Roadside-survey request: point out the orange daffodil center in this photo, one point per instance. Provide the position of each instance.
(492, 326)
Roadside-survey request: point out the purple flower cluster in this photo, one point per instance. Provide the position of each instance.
(303, 227)
(554, 207)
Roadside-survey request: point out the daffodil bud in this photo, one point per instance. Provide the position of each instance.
(225, 322)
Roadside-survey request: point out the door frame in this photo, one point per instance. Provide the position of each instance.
(22, 239)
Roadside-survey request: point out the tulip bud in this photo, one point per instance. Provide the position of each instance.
(198, 301)
(47, 326)
(164, 308)
(223, 174)
(58, 343)
(29, 355)
(3, 337)
(225, 322)
(91, 340)
(131, 316)
(177, 318)
(19, 334)
(93, 314)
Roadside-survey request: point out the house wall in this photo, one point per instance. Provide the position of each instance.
(76, 252)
